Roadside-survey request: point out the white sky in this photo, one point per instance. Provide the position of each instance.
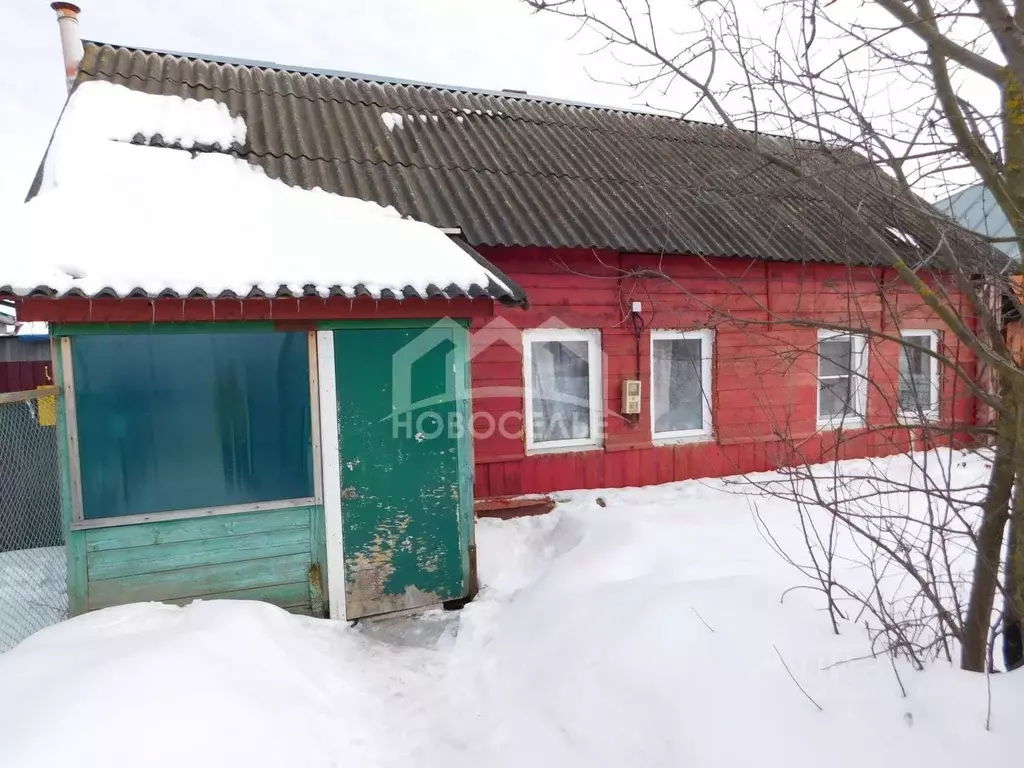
(489, 44)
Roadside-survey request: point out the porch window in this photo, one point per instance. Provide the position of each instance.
(563, 388)
(681, 384)
(919, 376)
(842, 379)
(188, 421)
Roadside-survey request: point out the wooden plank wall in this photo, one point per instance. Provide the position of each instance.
(253, 556)
(764, 377)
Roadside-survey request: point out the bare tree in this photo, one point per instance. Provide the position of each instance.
(923, 96)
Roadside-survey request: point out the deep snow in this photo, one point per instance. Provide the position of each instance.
(646, 632)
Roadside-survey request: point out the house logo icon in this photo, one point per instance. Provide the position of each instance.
(498, 331)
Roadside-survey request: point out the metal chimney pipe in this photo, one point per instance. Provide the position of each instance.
(70, 41)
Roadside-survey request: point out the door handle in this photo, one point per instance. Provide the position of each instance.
(348, 493)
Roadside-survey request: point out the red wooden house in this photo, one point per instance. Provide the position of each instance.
(674, 279)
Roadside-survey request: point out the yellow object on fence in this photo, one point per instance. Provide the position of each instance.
(46, 409)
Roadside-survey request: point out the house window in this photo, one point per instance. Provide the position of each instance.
(681, 384)
(842, 379)
(919, 375)
(182, 421)
(563, 388)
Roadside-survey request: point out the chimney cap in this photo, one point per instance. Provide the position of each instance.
(59, 6)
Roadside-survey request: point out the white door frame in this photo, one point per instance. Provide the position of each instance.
(330, 473)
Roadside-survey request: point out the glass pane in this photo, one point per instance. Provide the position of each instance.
(835, 399)
(678, 386)
(180, 421)
(915, 374)
(561, 390)
(835, 357)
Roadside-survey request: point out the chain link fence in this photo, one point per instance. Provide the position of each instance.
(33, 571)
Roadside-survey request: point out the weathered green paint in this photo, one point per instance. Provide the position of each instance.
(318, 592)
(206, 581)
(74, 546)
(292, 597)
(195, 529)
(467, 521)
(142, 329)
(317, 605)
(255, 555)
(118, 563)
(405, 493)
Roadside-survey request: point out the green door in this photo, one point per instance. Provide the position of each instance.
(405, 468)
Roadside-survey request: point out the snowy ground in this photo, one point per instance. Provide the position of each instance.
(646, 632)
(33, 592)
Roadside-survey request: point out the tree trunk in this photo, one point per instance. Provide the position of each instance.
(1013, 639)
(995, 511)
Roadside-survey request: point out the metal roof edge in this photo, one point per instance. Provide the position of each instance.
(386, 79)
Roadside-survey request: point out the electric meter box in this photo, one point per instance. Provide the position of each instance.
(631, 397)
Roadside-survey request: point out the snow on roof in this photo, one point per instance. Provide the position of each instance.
(145, 220)
(391, 120)
(903, 237)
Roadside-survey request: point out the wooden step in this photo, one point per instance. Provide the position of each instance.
(507, 507)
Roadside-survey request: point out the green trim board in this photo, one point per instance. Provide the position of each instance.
(77, 578)
(463, 388)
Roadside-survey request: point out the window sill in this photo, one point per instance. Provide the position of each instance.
(682, 439)
(190, 514)
(547, 450)
(835, 425)
(917, 419)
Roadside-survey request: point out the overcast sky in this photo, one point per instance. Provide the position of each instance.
(489, 44)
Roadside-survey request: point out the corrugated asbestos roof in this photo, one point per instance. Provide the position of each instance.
(514, 170)
(510, 293)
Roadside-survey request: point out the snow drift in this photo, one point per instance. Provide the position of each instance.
(647, 632)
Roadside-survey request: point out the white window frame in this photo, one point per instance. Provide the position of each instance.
(707, 339)
(595, 389)
(858, 384)
(934, 380)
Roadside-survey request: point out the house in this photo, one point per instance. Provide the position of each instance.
(676, 290)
